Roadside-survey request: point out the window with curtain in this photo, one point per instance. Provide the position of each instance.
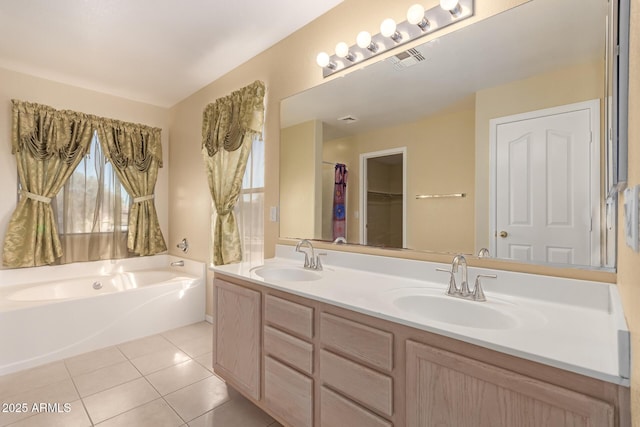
(250, 207)
(92, 211)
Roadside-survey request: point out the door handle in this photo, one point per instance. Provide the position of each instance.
(503, 234)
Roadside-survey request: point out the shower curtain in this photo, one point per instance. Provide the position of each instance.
(339, 198)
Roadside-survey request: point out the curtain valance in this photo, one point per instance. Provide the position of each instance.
(45, 131)
(229, 119)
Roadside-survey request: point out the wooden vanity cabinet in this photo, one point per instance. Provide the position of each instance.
(309, 363)
(236, 343)
(447, 389)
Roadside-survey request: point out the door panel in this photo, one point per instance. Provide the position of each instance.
(544, 203)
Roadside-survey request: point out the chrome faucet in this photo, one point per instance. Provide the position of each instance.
(461, 261)
(177, 263)
(484, 253)
(313, 262)
(463, 291)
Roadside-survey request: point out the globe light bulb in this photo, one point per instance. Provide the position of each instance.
(388, 27)
(415, 14)
(342, 50)
(323, 59)
(448, 4)
(363, 40)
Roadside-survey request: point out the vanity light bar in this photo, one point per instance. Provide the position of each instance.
(435, 19)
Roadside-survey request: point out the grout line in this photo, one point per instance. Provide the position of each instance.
(75, 386)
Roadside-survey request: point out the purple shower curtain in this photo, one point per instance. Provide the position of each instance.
(339, 198)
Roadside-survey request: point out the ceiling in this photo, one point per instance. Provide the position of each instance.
(530, 39)
(154, 51)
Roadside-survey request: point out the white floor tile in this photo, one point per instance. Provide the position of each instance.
(144, 346)
(156, 361)
(238, 412)
(199, 398)
(29, 379)
(120, 399)
(153, 414)
(189, 332)
(94, 360)
(198, 347)
(104, 378)
(206, 360)
(175, 377)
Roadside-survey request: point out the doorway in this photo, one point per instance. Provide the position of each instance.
(383, 198)
(545, 189)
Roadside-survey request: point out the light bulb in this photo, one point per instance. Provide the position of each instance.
(363, 40)
(453, 6)
(388, 27)
(448, 4)
(323, 59)
(342, 50)
(415, 14)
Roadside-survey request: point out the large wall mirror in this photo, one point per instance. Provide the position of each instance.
(501, 128)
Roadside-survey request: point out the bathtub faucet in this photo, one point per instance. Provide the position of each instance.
(177, 263)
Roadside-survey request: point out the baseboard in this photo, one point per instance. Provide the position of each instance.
(208, 318)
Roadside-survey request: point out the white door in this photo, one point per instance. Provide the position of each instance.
(547, 185)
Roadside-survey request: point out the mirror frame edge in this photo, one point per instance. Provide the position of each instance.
(473, 261)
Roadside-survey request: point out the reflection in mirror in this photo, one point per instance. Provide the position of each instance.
(509, 111)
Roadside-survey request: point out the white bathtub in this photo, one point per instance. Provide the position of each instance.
(50, 313)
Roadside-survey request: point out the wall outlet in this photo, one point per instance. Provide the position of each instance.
(632, 216)
(273, 214)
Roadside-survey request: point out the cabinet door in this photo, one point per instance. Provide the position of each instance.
(237, 336)
(446, 389)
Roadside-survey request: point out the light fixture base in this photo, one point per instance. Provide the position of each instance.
(436, 17)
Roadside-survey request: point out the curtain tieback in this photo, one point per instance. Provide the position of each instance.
(143, 198)
(37, 197)
(224, 212)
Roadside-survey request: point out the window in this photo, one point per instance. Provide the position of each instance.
(250, 207)
(249, 210)
(92, 211)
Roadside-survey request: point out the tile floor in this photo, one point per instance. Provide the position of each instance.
(157, 381)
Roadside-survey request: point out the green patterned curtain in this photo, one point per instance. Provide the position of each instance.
(48, 145)
(136, 154)
(228, 127)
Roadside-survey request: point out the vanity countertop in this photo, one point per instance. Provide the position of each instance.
(574, 325)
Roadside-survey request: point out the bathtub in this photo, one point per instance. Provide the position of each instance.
(67, 310)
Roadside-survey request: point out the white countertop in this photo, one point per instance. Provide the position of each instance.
(570, 324)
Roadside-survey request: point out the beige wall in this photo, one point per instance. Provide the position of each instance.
(300, 180)
(629, 261)
(286, 68)
(440, 160)
(565, 86)
(61, 96)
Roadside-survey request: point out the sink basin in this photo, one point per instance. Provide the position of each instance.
(446, 309)
(287, 274)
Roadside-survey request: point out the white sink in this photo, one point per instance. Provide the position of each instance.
(286, 273)
(447, 309)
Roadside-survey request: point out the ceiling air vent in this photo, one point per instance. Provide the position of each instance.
(407, 59)
(348, 119)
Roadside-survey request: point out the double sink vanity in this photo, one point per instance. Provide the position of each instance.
(365, 340)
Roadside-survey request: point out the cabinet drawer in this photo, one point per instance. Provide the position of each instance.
(288, 393)
(336, 411)
(289, 315)
(289, 349)
(359, 341)
(364, 385)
